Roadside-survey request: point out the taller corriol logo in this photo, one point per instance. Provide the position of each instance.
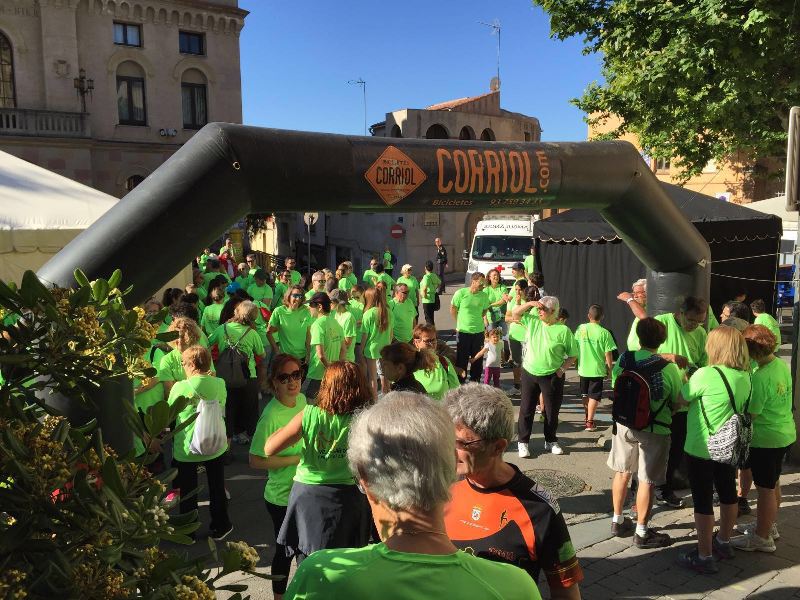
(394, 175)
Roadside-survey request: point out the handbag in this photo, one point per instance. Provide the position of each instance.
(730, 444)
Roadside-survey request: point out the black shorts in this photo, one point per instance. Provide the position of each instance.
(592, 387)
(766, 464)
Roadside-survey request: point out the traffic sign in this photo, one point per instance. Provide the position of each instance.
(310, 218)
(396, 231)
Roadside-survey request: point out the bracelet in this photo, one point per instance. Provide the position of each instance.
(629, 300)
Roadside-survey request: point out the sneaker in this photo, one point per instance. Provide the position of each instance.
(691, 560)
(751, 527)
(751, 542)
(220, 534)
(514, 393)
(555, 448)
(744, 507)
(524, 451)
(723, 550)
(590, 426)
(507, 364)
(623, 529)
(669, 499)
(651, 539)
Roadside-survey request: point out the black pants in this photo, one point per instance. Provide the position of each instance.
(440, 273)
(469, 344)
(427, 309)
(241, 409)
(186, 481)
(280, 562)
(552, 389)
(676, 452)
(704, 476)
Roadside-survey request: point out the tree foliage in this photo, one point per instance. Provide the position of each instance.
(694, 79)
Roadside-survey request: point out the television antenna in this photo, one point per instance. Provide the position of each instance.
(360, 81)
(495, 27)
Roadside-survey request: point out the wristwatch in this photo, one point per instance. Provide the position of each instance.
(629, 300)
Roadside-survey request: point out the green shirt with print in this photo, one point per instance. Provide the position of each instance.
(770, 323)
(244, 337)
(548, 345)
(516, 331)
(471, 308)
(706, 386)
(772, 401)
(366, 573)
(413, 288)
(593, 341)
(430, 282)
(670, 379)
(349, 330)
(292, 326)
(404, 314)
(326, 332)
(438, 381)
(324, 457)
(196, 387)
(374, 338)
(496, 313)
(261, 292)
(277, 415)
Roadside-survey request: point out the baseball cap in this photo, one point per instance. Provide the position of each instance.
(320, 298)
(518, 266)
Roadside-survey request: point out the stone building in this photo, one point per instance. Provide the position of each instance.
(358, 236)
(104, 91)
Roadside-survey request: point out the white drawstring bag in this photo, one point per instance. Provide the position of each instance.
(209, 436)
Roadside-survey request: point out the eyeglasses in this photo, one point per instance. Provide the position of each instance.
(284, 378)
(402, 293)
(250, 260)
(427, 341)
(464, 445)
(297, 295)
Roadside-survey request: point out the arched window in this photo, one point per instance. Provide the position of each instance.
(395, 131)
(467, 133)
(8, 98)
(131, 106)
(194, 99)
(487, 135)
(437, 132)
(132, 181)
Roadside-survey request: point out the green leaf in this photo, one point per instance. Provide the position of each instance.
(115, 279)
(81, 297)
(232, 587)
(16, 359)
(167, 336)
(111, 477)
(81, 278)
(100, 290)
(35, 287)
(231, 561)
(176, 538)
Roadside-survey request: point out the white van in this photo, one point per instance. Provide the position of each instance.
(499, 242)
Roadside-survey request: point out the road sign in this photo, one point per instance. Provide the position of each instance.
(310, 218)
(396, 231)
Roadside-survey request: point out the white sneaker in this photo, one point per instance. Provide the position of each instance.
(556, 449)
(750, 527)
(524, 451)
(751, 542)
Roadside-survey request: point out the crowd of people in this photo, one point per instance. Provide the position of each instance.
(374, 431)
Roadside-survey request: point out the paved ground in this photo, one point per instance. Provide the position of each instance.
(613, 569)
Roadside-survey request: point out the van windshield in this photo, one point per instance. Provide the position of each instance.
(498, 247)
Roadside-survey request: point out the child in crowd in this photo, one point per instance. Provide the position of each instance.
(491, 353)
(595, 347)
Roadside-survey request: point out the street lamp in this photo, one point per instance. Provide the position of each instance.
(83, 87)
(360, 81)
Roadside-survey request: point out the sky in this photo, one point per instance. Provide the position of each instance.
(297, 57)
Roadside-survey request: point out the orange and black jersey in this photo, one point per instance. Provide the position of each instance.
(518, 523)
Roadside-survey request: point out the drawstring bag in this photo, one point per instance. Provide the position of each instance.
(209, 436)
(730, 444)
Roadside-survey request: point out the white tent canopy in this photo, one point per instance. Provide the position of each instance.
(777, 206)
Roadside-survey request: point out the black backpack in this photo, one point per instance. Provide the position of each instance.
(233, 365)
(633, 391)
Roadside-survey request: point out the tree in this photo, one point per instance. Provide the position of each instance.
(693, 79)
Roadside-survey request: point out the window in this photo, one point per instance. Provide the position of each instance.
(496, 247)
(133, 181)
(437, 132)
(193, 98)
(191, 43)
(8, 97)
(487, 135)
(662, 164)
(126, 34)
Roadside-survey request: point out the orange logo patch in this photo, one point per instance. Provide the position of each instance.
(394, 175)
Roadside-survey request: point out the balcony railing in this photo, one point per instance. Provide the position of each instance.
(43, 123)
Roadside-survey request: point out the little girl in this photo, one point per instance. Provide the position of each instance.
(492, 351)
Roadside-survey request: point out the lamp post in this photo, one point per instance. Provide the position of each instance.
(83, 86)
(360, 81)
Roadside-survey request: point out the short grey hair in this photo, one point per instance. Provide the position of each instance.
(551, 303)
(484, 409)
(339, 296)
(640, 283)
(404, 448)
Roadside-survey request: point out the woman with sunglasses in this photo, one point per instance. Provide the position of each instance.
(442, 377)
(286, 402)
(291, 322)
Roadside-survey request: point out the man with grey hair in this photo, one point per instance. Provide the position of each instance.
(496, 511)
(637, 302)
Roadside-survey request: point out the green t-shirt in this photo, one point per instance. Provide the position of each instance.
(529, 263)
(438, 381)
(670, 380)
(325, 332)
(347, 283)
(386, 279)
(275, 416)
(770, 323)
(548, 345)
(633, 339)
(311, 292)
(202, 260)
(209, 388)
(280, 292)
(210, 319)
(404, 314)
(691, 344)
(516, 331)
(772, 402)
(324, 458)
(170, 367)
(368, 278)
(377, 572)
(246, 338)
(294, 277)
(413, 288)
(706, 386)
(375, 338)
(261, 293)
(209, 277)
(387, 261)
(349, 330)
(711, 320)
(244, 282)
(292, 326)
(431, 282)
(470, 310)
(593, 341)
(356, 308)
(496, 313)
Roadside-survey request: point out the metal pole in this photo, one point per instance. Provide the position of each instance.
(364, 89)
(308, 225)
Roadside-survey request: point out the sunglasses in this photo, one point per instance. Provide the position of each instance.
(284, 378)
(297, 295)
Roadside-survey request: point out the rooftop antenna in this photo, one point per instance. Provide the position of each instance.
(495, 27)
(360, 81)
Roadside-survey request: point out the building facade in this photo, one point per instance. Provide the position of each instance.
(104, 91)
(359, 236)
